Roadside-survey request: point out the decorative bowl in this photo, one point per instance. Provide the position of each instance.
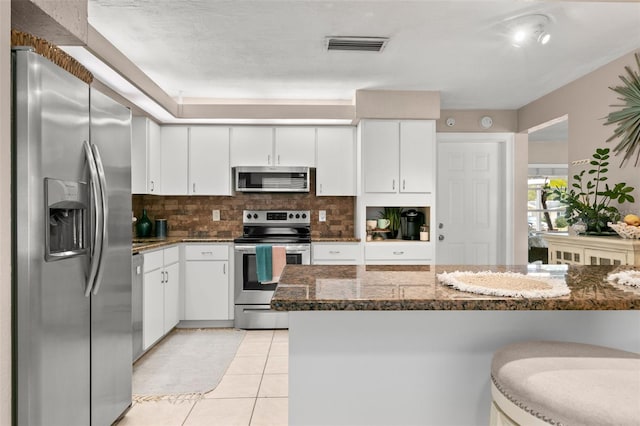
(626, 231)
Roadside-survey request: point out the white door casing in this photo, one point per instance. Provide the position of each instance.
(474, 199)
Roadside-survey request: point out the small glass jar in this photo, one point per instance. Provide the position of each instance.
(424, 233)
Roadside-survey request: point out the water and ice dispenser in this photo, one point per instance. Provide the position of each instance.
(66, 215)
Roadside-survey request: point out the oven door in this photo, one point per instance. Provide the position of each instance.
(248, 290)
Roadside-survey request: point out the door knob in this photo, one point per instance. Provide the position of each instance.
(440, 237)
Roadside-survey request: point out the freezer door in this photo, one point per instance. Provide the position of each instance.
(52, 315)
(111, 330)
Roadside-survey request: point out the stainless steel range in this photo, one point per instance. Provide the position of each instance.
(288, 228)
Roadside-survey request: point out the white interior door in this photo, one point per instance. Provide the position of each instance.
(471, 212)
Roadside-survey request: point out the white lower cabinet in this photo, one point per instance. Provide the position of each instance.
(336, 253)
(160, 294)
(207, 284)
(398, 253)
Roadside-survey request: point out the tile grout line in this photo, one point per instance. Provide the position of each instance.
(264, 368)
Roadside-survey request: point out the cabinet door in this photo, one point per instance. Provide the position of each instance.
(153, 307)
(251, 146)
(206, 290)
(381, 143)
(154, 153)
(417, 171)
(139, 155)
(171, 297)
(175, 154)
(336, 161)
(209, 171)
(295, 146)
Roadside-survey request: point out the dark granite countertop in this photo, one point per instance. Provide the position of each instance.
(415, 287)
(141, 244)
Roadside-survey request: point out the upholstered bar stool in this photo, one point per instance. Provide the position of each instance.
(561, 383)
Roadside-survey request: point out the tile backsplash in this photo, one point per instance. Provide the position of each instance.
(191, 216)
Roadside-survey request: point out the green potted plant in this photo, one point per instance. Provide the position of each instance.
(589, 200)
(561, 223)
(393, 215)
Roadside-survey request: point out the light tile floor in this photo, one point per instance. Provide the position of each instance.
(253, 391)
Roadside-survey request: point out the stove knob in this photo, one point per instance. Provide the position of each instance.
(248, 215)
(255, 215)
(297, 215)
(304, 215)
(290, 215)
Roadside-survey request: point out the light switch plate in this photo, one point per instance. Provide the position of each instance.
(215, 215)
(322, 215)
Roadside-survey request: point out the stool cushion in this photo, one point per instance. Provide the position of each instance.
(570, 383)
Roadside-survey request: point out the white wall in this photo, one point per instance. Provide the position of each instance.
(5, 212)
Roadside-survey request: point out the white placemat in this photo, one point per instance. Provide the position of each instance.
(631, 278)
(512, 284)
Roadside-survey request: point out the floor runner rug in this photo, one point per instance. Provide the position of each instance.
(187, 361)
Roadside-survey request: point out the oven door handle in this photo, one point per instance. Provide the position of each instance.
(245, 249)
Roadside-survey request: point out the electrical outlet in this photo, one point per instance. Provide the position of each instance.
(215, 215)
(322, 215)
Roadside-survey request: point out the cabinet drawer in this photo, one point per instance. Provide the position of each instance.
(350, 252)
(171, 255)
(206, 252)
(153, 260)
(403, 252)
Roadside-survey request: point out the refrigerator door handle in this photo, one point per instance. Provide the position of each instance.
(105, 216)
(96, 243)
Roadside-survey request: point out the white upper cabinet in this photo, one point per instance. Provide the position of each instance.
(209, 171)
(398, 156)
(174, 141)
(381, 149)
(336, 161)
(295, 146)
(271, 147)
(417, 154)
(251, 146)
(145, 156)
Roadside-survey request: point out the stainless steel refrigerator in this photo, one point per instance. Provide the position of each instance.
(72, 249)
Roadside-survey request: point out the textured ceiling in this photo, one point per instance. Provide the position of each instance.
(264, 49)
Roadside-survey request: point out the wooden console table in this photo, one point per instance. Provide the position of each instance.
(590, 250)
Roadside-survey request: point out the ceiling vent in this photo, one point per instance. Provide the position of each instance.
(358, 44)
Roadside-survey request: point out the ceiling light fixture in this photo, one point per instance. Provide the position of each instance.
(529, 28)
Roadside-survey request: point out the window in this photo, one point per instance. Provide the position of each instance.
(542, 210)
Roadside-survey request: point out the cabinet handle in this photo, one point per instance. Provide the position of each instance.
(152, 186)
(162, 280)
(224, 268)
(393, 185)
(398, 253)
(403, 181)
(207, 253)
(194, 187)
(269, 159)
(167, 277)
(321, 188)
(278, 158)
(334, 251)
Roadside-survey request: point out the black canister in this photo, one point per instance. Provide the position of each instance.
(161, 228)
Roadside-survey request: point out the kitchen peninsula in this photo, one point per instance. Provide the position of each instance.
(381, 345)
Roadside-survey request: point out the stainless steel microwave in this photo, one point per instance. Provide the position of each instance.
(271, 179)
